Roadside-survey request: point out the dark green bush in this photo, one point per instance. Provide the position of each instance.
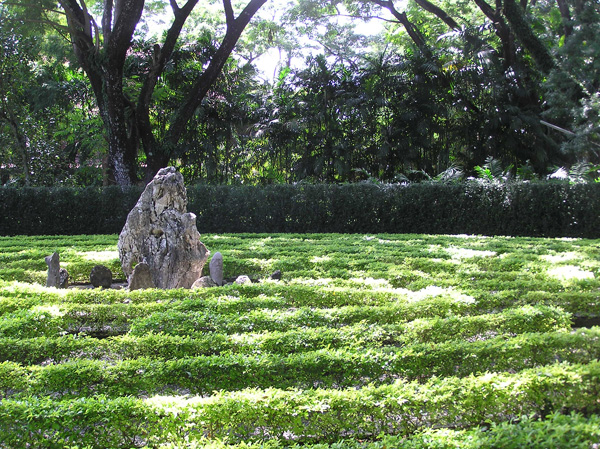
(546, 209)
(64, 210)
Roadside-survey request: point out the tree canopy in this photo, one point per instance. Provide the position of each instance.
(321, 90)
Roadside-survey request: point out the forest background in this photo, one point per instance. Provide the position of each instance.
(101, 92)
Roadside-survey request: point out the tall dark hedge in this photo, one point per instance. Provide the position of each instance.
(548, 209)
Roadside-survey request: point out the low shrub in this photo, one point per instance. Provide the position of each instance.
(386, 340)
(313, 415)
(151, 340)
(329, 368)
(556, 431)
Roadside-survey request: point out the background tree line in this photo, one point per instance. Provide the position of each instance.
(90, 94)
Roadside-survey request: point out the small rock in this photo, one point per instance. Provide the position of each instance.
(63, 278)
(243, 280)
(101, 276)
(216, 268)
(141, 277)
(53, 263)
(204, 282)
(276, 275)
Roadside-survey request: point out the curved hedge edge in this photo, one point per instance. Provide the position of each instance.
(526, 319)
(556, 431)
(343, 368)
(185, 320)
(302, 416)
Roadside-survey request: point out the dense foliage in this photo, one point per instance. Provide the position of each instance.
(443, 86)
(552, 209)
(371, 340)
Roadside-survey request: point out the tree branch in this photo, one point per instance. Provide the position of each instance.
(354, 16)
(229, 17)
(90, 24)
(340, 57)
(58, 27)
(439, 12)
(73, 12)
(502, 31)
(107, 19)
(33, 5)
(486, 9)
(522, 30)
(161, 57)
(174, 6)
(127, 15)
(410, 28)
(81, 39)
(207, 78)
(87, 20)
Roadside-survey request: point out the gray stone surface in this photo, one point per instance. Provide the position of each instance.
(141, 277)
(53, 262)
(276, 275)
(63, 278)
(216, 268)
(204, 282)
(161, 233)
(101, 276)
(243, 280)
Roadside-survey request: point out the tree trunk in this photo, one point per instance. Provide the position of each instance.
(23, 143)
(128, 124)
(565, 13)
(157, 156)
(502, 30)
(103, 63)
(122, 157)
(522, 30)
(122, 136)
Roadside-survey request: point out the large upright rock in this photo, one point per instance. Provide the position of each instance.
(160, 232)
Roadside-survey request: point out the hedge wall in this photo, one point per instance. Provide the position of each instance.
(545, 209)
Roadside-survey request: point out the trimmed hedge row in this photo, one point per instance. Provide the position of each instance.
(342, 368)
(292, 415)
(192, 318)
(234, 298)
(518, 208)
(244, 299)
(556, 431)
(27, 348)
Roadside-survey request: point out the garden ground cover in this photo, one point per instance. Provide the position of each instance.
(376, 341)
